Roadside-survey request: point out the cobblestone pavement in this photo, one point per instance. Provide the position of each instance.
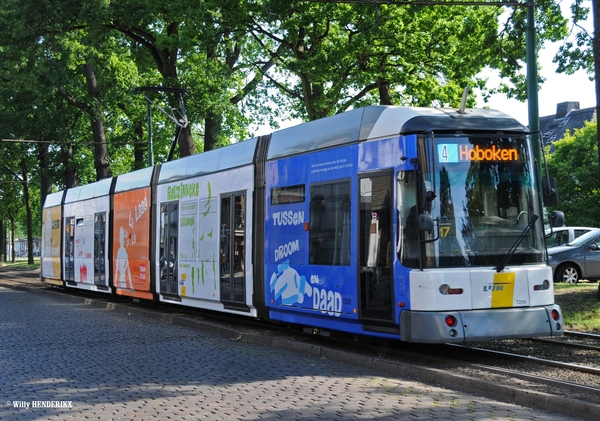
(106, 364)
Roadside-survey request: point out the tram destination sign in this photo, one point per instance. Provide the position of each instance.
(452, 152)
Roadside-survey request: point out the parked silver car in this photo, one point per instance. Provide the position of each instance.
(563, 235)
(579, 259)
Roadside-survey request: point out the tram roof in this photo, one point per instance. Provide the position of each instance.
(232, 156)
(134, 180)
(53, 199)
(379, 121)
(89, 191)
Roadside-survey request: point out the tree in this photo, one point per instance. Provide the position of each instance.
(16, 201)
(40, 41)
(10, 210)
(341, 56)
(94, 110)
(581, 51)
(157, 31)
(574, 165)
(203, 47)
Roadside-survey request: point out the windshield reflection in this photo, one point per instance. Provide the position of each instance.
(485, 198)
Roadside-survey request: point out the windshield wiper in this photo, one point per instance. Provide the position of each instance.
(512, 250)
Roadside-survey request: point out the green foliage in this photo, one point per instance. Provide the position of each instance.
(335, 57)
(574, 164)
(577, 51)
(580, 306)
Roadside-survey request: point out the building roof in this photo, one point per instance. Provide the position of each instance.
(568, 117)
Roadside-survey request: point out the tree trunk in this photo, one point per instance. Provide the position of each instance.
(385, 97)
(596, 14)
(187, 146)
(2, 243)
(168, 70)
(45, 177)
(101, 162)
(69, 166)
(139, 148)
(13, 256)
(212, 131)
(28, 212)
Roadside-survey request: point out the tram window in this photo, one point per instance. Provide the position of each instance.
(287, 194)
(329, 233)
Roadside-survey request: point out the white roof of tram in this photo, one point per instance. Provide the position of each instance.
(379, 121)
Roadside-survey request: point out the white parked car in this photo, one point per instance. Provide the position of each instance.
(562, 235)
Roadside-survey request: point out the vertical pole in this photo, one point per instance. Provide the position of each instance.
(150, 150)
(2, 243)
(532, 76)
(596, 49)
(532, 95)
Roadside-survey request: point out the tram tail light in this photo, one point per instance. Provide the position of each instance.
(450, 321)
(445, 289)
(543, 286)
(555, 315)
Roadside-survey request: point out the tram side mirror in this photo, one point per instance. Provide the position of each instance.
(428, 196)
(426, 222)
(557, 218)
(550, 192)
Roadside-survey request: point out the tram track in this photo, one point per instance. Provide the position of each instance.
(543, 361)
(501, 367)
(583, 340)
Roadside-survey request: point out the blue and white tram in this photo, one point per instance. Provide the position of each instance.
(395, 222)
(422, 225)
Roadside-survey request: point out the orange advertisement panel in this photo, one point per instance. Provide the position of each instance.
(51, 244)
(131, 243)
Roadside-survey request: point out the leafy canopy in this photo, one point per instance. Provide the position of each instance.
(575, 166)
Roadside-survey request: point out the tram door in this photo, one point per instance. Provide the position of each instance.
(169, 225)
(69, 248)
(232, 250)
(99, 247)
(375, 249)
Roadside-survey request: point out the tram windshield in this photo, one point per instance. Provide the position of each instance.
(484, 199)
